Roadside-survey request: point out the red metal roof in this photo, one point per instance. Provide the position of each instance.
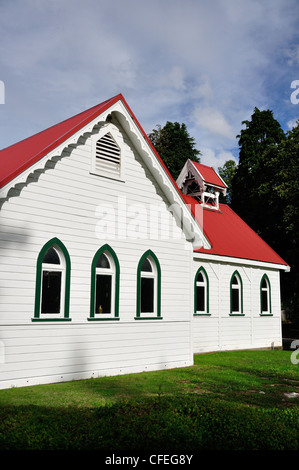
(20, 156)
(230, 236)
(209, 174)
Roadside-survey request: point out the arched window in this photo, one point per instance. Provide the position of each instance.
(104, 302)
(265, 294)
(236, 294)
(148, 287)
(201, 292)
(52, 282)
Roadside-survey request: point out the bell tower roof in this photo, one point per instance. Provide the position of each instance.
(203, 183)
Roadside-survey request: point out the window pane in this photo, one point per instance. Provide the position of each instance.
(200, 277)
(264, 301)
(146, 266)
(51, 291)
(264, 284)
(103, 294)
(147, 294)
(200, 299)
(51, 256)
(235, 280)
(235, 300)
(103, 262)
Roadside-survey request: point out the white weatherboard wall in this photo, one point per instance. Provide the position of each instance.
(64, 202)
(224, 331)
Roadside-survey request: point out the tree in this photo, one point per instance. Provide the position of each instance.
(282, 191)
(227, 172)
(265, 192)
(262, 133)
(174, 145)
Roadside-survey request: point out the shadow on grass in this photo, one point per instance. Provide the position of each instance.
(152, 424)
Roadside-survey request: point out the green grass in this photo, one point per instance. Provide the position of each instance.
(228, 400)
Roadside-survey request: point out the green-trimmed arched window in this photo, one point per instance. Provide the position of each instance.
(265, 295)
(104, 298)
(201, 292)
(52, 292)
(148, 287)
(236, 294)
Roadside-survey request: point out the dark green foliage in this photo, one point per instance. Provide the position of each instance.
(265, 192)
(227, 173)
(280, 227)
(261, 133)
(174, 145)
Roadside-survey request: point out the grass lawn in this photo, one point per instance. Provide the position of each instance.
(241, 400)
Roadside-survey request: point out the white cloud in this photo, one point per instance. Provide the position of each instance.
(176, 77)
(172, 78)
(215, 159)
(204, 89)
(293, 123)
(292, 55)
(212, 120)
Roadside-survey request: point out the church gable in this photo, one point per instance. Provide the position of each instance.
(101, 123)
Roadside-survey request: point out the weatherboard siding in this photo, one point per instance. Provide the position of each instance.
(221, 330)
(70, 351)
(63, 202)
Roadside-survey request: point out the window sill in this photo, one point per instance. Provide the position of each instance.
(266, 314)
(148, 318)
(201, 314)
(237, 314)
(109, 177)
(103, 319)
(50, 319)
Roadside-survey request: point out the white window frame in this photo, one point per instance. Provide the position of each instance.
(267, 290)
(149, 275)
(106, 272)
(204, 285)
(49, 267)
(239, 288)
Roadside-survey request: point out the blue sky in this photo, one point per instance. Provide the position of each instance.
(204, 63)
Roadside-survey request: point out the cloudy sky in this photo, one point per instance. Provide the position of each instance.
(204, 63)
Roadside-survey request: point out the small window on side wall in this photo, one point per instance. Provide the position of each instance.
(105, 274)
(53, 273)
(148, 287)
(52, 282)
(265, 295)
(236, 294)
(201, 292)
(104, 301)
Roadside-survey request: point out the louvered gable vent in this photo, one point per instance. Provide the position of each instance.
(108, 156)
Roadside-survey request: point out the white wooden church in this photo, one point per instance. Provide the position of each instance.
(109, 266)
